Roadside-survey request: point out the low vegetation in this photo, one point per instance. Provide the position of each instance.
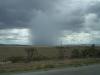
(90, 52)
(46, 65)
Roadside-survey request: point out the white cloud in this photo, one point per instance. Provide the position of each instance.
(79, 38)
(76, 38)
(15, 36)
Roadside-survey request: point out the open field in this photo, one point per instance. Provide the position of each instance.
(19, 58)
(50, 52)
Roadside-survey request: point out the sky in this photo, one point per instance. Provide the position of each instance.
(49, 22)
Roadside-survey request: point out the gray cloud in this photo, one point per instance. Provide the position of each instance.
(95, 21)
(47, 18)
(18, 13)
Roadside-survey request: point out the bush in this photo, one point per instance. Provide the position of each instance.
(61, 52)
(30, 53)
(98, 53)
(44, 66)
(75, 54)
(16, 59)
(91, 52)
(41, 57)
(85, 53)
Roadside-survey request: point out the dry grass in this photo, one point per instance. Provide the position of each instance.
(44, 65)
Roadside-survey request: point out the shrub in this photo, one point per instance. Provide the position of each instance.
(61, 52)
(75, 54)
(91, 52)
(30, 53)
(16, 59)
(85, 53)
(48, 66)
(41, 57)
(98, 53)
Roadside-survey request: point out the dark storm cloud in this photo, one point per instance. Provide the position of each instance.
(95, 8)
(73, 22)
(18, 13)
(95, 21)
